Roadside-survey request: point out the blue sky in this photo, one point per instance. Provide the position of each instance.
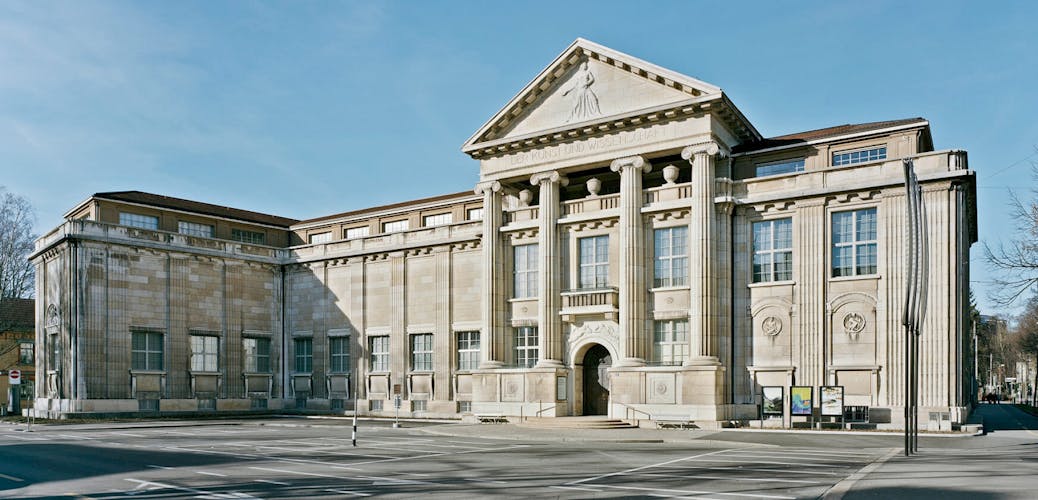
(305, 109)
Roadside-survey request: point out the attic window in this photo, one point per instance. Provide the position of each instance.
(859, 156)
(780, 167)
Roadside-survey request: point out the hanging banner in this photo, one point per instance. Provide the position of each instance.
(831, 400)
(801, 400)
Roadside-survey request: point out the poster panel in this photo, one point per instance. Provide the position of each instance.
(832, 400)
(771, 400)
(801, 399)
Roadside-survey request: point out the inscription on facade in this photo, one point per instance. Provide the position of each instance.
(592, 145)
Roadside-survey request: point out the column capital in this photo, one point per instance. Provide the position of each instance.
(488, 187)
(553, 176)
(635, 162)
(708, 148)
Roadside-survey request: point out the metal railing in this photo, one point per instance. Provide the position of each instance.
(630, 410)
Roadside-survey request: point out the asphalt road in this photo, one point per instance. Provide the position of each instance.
(281, 458)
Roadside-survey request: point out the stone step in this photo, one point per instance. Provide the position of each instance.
(576, 423)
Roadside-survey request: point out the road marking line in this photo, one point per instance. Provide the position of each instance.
(486, 481)
(347, 492)
(268, 481)
(160, 467)
(12, 478)
(784, 471)
(210, 473)
(694, 492)
(127, 434)
(645, 467)
(841, 488)
(575, 488)
(798, 464)
(208, 494)
(732, 478)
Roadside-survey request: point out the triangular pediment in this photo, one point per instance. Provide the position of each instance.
(588, 83)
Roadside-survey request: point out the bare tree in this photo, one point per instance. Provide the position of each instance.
(1016, 261)
(16, 243)
(1025, 339)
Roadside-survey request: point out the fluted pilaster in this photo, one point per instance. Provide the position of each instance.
(492, 336)
(632, 258)
(702, 244)
(550, 270)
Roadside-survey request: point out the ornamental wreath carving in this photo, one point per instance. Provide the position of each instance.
(853, 324)
(771, 326)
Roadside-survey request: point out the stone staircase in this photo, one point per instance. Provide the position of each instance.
(584, 422)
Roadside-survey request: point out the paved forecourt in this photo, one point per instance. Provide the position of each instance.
(277, 460)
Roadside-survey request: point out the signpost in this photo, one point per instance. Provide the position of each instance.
(14, 393)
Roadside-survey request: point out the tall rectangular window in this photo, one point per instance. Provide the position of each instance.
(304, 349)
(670, 342)
(339, 350)
(773, 250)
(26, 353)
(474, 214)
(671, 263)
(421, 352)
(138, 220)
(524, 274)
(468, 350)
(204, 353)
(526, 352)
(357, 232)
(250, 237)
(859, 156)
(395, 226)
(320, 238)
(379, 347)
(594, 262)
(257, 355)
(195, 229)
(147, 351)
(780, 167)
(437, 220)
(854, 243)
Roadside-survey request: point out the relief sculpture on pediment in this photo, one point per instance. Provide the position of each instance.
(585, 102)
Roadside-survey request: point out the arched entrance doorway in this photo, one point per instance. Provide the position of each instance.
(596, 380)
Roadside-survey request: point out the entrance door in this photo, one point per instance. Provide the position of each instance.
(596, 381)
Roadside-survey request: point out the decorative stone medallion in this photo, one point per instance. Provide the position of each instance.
(661, 387)
(771, 326)
(853, 324)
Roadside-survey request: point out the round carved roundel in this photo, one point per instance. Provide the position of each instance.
(661, 388)
(771, 326)
(853, 323)
(511, 388)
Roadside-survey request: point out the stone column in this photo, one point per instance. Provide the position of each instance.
(492, 336)
(549, 270)
(702, 240)
(632, 259)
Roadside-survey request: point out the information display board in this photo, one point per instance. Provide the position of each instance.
(831, 400)
(771, 400)
(801, 400)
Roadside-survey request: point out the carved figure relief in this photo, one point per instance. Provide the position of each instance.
(853, 324)
(585, 102)
(53, 316)
(605, 329)
(771, 326)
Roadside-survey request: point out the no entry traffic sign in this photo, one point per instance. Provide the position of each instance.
(14, 377)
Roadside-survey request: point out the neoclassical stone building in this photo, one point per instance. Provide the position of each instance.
(634, 247)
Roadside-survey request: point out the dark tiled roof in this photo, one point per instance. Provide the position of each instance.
(198, 207)
(363, 211)
(17, 314)
(822, 133)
